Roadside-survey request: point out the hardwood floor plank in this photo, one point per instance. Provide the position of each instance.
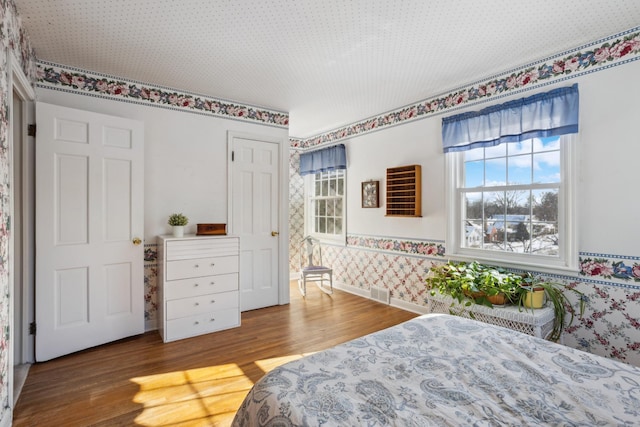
(199, 381)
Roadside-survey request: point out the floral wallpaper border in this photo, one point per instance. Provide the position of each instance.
(55, 76)
(611, 267)
(391, 244)
(604, 53)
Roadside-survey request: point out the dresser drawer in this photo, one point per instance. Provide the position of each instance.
(185, 307)
(200, 286)
(201, 324)
(201, 248)
(201, 267)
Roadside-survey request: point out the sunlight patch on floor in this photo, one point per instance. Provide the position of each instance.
(197, 397)
(269, 364)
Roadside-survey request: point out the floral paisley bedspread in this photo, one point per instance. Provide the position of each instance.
(442, 370)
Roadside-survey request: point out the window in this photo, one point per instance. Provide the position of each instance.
(326, 204)
(514, 203)
(510, 179)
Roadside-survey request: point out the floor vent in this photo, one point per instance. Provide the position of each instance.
(380, 294)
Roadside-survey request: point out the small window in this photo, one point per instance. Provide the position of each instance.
(514, 203)
(326, 205)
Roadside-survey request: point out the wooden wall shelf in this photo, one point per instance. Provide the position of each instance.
(404, 191)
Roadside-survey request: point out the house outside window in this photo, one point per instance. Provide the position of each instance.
(514, 203)
(325, 208)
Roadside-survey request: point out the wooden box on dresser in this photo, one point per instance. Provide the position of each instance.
(198, 285)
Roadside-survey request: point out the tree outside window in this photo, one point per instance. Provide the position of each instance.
(510, 196)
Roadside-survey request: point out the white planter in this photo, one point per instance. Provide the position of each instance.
(178, 231)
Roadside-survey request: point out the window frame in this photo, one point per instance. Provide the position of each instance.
(567, 217)
(309, 215)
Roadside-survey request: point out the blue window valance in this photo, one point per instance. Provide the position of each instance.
(326, 159)
(545, 114)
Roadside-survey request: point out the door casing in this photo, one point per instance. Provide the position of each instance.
(21, 305)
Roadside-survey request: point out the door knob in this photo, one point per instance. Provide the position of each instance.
(136, 241)
(275, 233)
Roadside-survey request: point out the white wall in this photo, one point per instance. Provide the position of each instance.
(185, 158)
(370, 155)
(610, 161)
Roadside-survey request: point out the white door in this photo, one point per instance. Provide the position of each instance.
(89, 219)
(255, 218)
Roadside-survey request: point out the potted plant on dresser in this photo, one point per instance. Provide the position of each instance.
(177, 221)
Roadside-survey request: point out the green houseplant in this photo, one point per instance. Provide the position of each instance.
(476, 283)
(556, 295)
(178, 221)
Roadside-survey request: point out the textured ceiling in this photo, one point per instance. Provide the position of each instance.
(326, 62)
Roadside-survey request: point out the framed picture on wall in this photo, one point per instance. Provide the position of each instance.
(370, 194)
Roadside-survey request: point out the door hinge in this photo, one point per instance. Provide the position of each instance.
(233, 156)
(31, 130)
(32, 328)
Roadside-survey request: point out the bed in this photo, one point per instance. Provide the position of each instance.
(443, 370)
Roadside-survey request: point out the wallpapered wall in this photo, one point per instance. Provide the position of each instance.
(12, 40)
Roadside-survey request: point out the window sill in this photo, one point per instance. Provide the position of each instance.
(340, 240)
(519, 264)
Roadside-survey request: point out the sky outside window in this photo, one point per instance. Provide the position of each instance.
(532, 161)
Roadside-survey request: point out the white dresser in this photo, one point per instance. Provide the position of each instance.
(198, 285)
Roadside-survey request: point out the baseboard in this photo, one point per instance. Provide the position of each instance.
(395, 302)
(409, 306)
(20, 373)
(150, 325)
(364, 293)
(7, 418)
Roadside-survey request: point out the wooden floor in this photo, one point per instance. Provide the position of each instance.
(199, 381)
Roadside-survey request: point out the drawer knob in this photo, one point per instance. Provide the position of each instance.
(196, 323)
(212, 320)
(196, 266)
(197, 304)
(213, 301)
(212, 283)
(213, 264)
(195, 285)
